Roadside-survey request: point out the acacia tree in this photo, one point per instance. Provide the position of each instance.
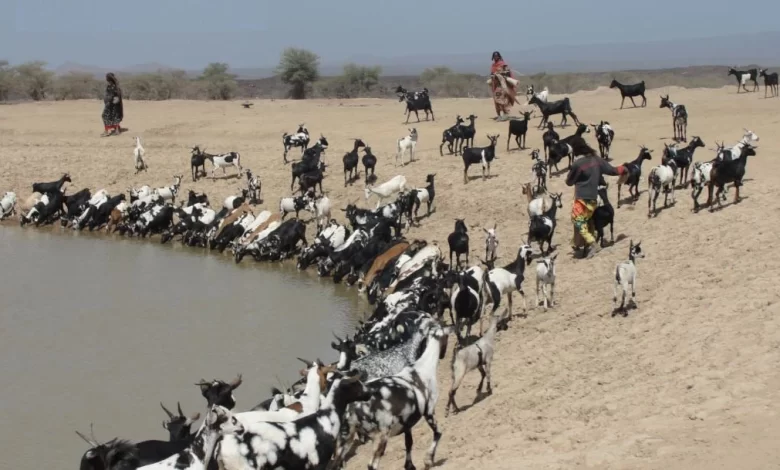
(6, 80)
(298, 67)
(220, 85)
(34, 79)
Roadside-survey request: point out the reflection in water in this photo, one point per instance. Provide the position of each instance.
(101, 330)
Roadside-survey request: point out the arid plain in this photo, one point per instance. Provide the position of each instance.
(689, 380)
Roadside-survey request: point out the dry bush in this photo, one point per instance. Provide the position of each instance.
(77, 86)
(161, 85)
(34, 80)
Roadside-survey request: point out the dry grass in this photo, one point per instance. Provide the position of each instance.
(688, 380)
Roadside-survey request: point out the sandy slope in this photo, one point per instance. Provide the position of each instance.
(687, 381)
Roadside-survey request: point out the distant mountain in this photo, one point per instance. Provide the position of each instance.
(757, 48)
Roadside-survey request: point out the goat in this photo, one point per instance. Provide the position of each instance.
(386, 190)
(467, 299)
(467, 133)
(481, 155)
(308, 442)
(54, 186)
(478, 355)
(743, 76)
(545, 281)
(310, 180)
(426, 195)
(458, 241)
(508, 279)
(197, 161)
(7, 205)
(625, 276)
(604, 215)
(299, 139)
(630, 91)
(770, 82)
(253, 188)
(178, 426)
(491, 242)
(307, 165)
(661, 178)
(451, 136)
(679, 118)
(549, 137)
(234, 202)
(417, 101)
(138, 154)
(295, 204)
(219, 393)
(604, 135)
(223, 161)
(734, 152)
(518, 128)
(168, 193)
(565, 148)
(537, 203)
(406, 144)
(633, 173)
(724, 172)
(369, 163)
(562, 107)
(683, 157)
(351, 162)
(321, 205)
(539, 169)
(699, 179)
(541, 96)
(542, 228)
(398, 402)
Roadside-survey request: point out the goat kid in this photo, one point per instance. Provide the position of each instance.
(625, 276)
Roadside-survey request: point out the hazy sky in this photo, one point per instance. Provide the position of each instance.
(252, 33)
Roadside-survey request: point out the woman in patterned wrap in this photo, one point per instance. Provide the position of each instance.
(503, 85)
(112, 109)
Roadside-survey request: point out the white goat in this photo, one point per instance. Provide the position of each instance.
(542, 95)
(478, 355)
(545, 280)
(387, 189)
(322, 208)
(625, 276)
(736, 150)
(7, 205)
(169, 193)
(137, 193)
(138, 153)
(661, 178)
(407, 143)
(491, 242)
(700, 179)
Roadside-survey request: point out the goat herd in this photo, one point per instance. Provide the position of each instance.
(385, 379)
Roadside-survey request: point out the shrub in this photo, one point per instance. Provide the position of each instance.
(299, 68)
(77, 86)
(218, 83)
(34, 80)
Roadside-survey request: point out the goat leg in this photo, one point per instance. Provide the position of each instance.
(431, 420)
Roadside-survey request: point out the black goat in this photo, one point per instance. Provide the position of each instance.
(310, 180)
(197, 160)
(459, 242)
(415, 101)
(103, 212)
(351, 162)
(604, 135)
(54, 186)
(451, 136)
(467, 133)
(633, 174)
(76, 203)
(539, 169)
(549, 137)
(369, 163)
(565, 148)
(179, 427)
(541, 228)
(770, 83)
(724, 172)
(743, 76)
(679, 118)
(481, 155)
(551, 108)
(306, 165)
(630, 91)
(47, 213)
(682, 157)
(604, 215)
(518, 128)
(195, 198)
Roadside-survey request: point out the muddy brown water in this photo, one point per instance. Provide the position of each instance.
(97, 330)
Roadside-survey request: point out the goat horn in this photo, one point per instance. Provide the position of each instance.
(93, 444)
(235, 382)
(170, 415)
(178, 405)
(308, 364)
(335, 336)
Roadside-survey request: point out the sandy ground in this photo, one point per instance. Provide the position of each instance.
(689, 380)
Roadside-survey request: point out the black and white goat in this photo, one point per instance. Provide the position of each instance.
(724, 172)
(451, 136)
(482, 155)
(223, 161)
(545, 281)
(467, 299)
(467, 133)
(491, 242)
(632, 176)
(426, 195)
(542, 228)
(299, 139)
(743, 76)
(541, 96)
(679, 118)
(683, 157)
(508, 279)
(625, 276)
(604, 135)
(539, 170)
(518, 128)
(296, 204)
(458, 241)
(630, 91)
(406, 144)
(770, 82)
(661, 179)
(169, 193)
(562, 107)
(415, 101)
(253, 187)
(351, 162)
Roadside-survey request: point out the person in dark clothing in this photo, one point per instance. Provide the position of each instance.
(112, 106)
(585, 175)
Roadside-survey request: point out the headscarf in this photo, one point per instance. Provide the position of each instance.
(112, 80)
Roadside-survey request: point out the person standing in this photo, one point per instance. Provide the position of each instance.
(112, 106)
(503, 85)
